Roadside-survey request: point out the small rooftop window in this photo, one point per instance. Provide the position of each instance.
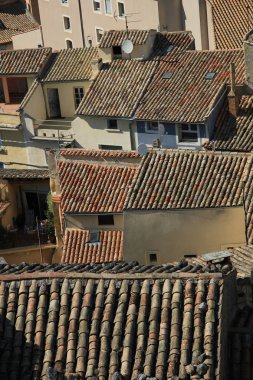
(167, 75)
(94, 237)
(210, 75)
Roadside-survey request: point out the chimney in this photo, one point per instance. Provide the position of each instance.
(248, 58)
(233, 98)
(96, 65)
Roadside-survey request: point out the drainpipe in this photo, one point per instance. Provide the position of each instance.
(81, 21)
(132, 140)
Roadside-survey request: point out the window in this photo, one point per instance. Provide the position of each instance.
(78, 95)
(210, 75)
(188, 133)
(167, 75)
(110, 147)
(97, 5)
(108, 7)
(106, 220)
(152, 257)
(65, 2)
(152, 127)
(69, 44)
(99, 34)
(112, 124)
(94, 237)
(67, 25)
(121, 9)
(1, 165)
(117, 52)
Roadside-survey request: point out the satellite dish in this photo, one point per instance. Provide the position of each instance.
(161, 129)
(142, 149)
(127, 46)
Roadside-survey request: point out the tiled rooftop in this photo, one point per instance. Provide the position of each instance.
(95, 153)
(23, 62)
(101, 327)
(188, 96)
(184, 179)
(3, 206)
(116, 37)
(117, 89)
(29, 94)
(15, 20)
(231, 22)
(171, 42)
(24, 174)
(70, 65)
(87, 188)
(78, 248)
(234, 134)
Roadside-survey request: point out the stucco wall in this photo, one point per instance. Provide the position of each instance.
(66, 95)
(28, 40)
(173, 234)
(91, 222)
(14, 149)
(90, 133)
(28, 255)
(36, 105)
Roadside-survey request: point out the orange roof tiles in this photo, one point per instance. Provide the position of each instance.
(116, 37)
(185, 179)
(70, 65)
(234, 134)
(89, 188)
(77, 248)
(232, 19)
(188, 96)
(99, 153)
(117, 89)
(23, 62)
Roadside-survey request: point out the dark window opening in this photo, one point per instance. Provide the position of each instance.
(117, 52)
(69, 44)
(94, 237)
(106, 220)
(110, 147)
(152, 258)
(112, 124)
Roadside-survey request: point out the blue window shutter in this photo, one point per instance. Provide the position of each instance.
(202, 130)
(141, 126)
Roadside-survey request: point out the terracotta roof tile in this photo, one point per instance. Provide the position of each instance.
(95, 153)
(24, 173)
(3, 206)
(116, 37)
(78, 248)
(70, 65)
(23, 62)
(117, 89)
(231, 22)
(15, 20)
(184, 179)
(167, 43)
(188, 96)
(99, 327)
(234, 134)
(87, 188)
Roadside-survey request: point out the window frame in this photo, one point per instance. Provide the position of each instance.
(65, 4)
(110, 147)
(96, 29)
(124, 5)
(80, 97)
(189, 131)
(93, 6)
(147, 130)
(70, 28)
(108, 13)
(109, 124)
(69, 40)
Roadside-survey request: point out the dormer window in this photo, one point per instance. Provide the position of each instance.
(188, 133)
(117, 52)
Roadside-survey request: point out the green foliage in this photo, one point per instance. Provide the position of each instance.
(50, 218)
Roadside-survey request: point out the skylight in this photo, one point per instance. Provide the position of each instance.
(210, 75)
(167, 75)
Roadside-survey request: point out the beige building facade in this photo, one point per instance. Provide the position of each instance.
(160, 237)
